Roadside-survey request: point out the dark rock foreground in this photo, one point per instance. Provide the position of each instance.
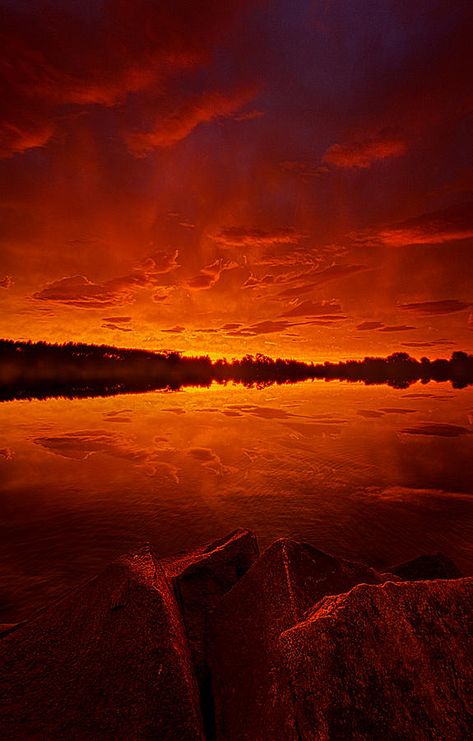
(223, 644)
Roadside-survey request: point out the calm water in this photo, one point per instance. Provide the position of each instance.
(371, 473)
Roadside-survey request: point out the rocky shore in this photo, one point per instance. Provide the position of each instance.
(225, 643)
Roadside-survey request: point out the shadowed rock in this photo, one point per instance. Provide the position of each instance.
(7, 628)
(252, 699)
(109, 661)
(436, 566)
(385, 662)
(200, 580)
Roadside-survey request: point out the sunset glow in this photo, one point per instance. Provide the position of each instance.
(237, 177)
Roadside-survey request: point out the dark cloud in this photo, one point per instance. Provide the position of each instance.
(431, 343)
(6, 282)
(117, 319)
(266, 327)
(79, 291)
(364, 326)
(430, 308)
(174, 330)
(438, 430)
(116, 327)
(314, 308)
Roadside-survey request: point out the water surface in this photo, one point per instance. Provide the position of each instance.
(371, 473)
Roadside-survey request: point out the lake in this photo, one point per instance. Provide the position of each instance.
(365, 472)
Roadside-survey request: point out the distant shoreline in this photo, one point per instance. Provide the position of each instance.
(39, 370)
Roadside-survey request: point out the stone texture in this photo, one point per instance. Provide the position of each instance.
(109, 661)
(385, 662)
(252, 700)
(200, 580)
(436, 566)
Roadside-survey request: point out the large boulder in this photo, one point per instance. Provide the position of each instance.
(109, 661)
(423, 568)
(200, 580)
(385, 662)
(252, 699)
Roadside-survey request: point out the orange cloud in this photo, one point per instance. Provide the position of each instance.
(172, 126)
(79, 291)
(210, 275)
(241, 236)
(450, 224)
(363, 154)
(6, 282)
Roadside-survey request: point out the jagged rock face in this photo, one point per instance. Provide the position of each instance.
(110, 661)
(200, 580)
(385, 662)
(252, 698)
(436, 566)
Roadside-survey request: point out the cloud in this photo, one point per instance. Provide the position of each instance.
(432, 343)
(173, 126)
(110, 325)
(304, 282)
(175, 330)
(117, 319)
(70, 58)
(79, 291)
(241, 236)
(6, 282)
(265, 327)
(364, 326)
(364, 153)
(438, 430)
(436, 227)
(313, 308)
(254, 282)
(431, 308)
(210, 275)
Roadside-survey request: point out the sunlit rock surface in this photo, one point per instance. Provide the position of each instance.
(252, 698)
(385, 662)
(109, 661)
(436, 566)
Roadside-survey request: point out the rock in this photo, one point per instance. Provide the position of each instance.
(7, 628)
(252, 699)
(200, 580)
(109, 661)
(436, 566)
(385, 662)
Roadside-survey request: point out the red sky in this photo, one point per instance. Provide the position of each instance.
(289, 177)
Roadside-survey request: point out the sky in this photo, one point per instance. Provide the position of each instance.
(291, 177)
